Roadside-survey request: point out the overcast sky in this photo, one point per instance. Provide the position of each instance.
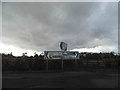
(41, 26)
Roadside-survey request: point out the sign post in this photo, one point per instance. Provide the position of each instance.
(76, 64)
(47, 64)
(62, 64)
(61, 55)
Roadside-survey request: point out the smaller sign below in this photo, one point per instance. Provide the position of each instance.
(55, 55)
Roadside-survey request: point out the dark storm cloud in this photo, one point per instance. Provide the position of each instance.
(119, 27)
(41, 26)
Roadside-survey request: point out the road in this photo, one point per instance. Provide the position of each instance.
(83, 79)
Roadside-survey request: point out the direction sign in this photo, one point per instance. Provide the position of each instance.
(58, 55)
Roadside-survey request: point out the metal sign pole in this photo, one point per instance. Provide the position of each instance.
(76, 63)
(47, 65)
(62, 64)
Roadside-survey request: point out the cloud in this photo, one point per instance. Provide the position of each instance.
(42, 26)
(0, 21)
(97, 49)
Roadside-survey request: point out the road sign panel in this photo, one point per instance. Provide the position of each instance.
(57, 55)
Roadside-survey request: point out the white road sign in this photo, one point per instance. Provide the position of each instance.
(57, 55)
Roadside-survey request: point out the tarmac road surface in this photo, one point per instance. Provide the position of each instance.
(81, 79)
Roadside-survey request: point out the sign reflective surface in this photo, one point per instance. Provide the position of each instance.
(57, 55)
